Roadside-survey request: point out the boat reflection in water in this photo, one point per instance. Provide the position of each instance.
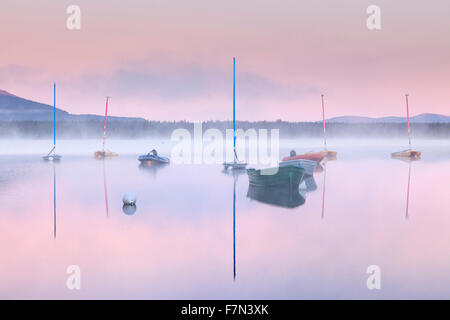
(322, 168)
(287, 196)
(308, 184)
(409, 161)
(281, 196)
(324, 188)
(282, 188)
(235, 173)
(152, 166)
(105, 188)
(54, 201)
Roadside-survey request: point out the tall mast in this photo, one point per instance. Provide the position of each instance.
(407, 115)
(104, 125)
(324, 128)
(234, 106)
(54, 115)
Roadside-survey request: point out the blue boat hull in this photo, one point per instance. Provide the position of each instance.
(153, 158)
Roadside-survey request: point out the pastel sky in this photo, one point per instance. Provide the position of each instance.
(172, 60)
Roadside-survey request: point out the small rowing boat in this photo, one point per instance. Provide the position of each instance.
(313, 156)
(276, 176)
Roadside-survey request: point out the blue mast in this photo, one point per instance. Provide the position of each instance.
(234, 104)
(54, 114)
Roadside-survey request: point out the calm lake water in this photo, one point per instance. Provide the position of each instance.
(179, 242)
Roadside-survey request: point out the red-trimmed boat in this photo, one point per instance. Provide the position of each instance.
(314, 156)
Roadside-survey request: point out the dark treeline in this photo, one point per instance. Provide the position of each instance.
(147, 129)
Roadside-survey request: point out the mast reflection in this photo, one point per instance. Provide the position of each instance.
(152, 167)
(54, 201)
(324, 188)
(105, 188)
(409, 161)
(235, 173)
(407, 192)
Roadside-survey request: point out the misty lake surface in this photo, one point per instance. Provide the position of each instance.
(178, 244)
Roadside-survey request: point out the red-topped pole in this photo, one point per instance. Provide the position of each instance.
(407, 193)
(407, 115)
(324, 128)
(104, 125)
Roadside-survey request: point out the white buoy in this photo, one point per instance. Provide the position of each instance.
(129, 199)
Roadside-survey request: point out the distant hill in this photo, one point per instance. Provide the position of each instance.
(421, 118)
(13, 108)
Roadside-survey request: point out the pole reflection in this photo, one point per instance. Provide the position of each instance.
(105, 188)
(54, 201)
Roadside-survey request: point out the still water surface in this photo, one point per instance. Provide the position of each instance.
(179, 243)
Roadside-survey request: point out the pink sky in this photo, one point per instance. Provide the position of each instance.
(172, 60)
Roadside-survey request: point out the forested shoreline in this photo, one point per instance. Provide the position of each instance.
(148, 129)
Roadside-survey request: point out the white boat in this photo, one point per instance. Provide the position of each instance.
(308, 165)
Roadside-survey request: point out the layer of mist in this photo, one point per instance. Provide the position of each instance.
(93, 129)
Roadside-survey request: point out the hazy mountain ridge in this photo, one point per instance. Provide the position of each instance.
(421, 118)
(14, 108)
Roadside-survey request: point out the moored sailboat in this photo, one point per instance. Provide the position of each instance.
(318, 157)
(325, 153)
(52, 155)
(236, 164)
(102, 154)
(329, 155)
(409, 153)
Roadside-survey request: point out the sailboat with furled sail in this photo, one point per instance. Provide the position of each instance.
(236, 164)
(325, 153)
(318, 157)
(102, 154)
(52, 155)
(409, 153)
(328, 155)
